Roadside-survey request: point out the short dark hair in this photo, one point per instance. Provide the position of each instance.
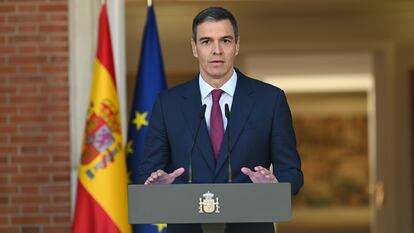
(214, 14)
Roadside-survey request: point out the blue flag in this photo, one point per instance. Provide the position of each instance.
(150, 81)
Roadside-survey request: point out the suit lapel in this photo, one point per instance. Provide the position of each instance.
(191, 106)
(240, 111)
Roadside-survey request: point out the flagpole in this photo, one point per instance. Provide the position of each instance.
(149, 2)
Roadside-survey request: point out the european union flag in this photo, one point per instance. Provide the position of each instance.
(150, 81)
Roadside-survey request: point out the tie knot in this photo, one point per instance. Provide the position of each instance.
(216, 94)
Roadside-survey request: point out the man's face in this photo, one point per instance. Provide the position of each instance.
(215, 48)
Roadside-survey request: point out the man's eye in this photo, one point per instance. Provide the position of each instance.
(205, 41)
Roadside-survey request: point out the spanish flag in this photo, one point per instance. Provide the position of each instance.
(101, 199)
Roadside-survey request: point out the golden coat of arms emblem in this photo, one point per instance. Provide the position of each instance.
(208, 205)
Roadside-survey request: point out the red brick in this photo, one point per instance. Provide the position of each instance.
(29, 219)
(29, 109)
(28, 100)
(28, 69)
(7, 130)
(55, 169)
(58, 59)
(29, 118)
(30, 229)
(51, 49)
(60, 158)
(7, 210)
(8, 189)
(8, 170)
(7, 69)
(4, 160)
(57, 99)
(31, 190)
(55, 188)
(7, 9)
(32, 79)
(53, 8)
(61, 199)
(29, 169)
(21, 18)
(27, 8)
(27, 59)
(54, 229)
(30, 179)
(60, 178)
(28, 149)
(56, 209)
(7, 50)
(31, 209)
(16, 200)
(28, 28)
(4, 139)
(59, 18)
(27, 49)
(27, 159)
(8, 109)
(29, 90)
(4, 200)
(31, 129)
(53, 28)
(61, 219)
(7, 90)
(7, 29)
(55, 149)
(64, 126)
(4, 220)
(54, 88)
(7, 149)
(51, 69)
(59, 38)
(14, 229)
(57, 139)
(30, 39)
(60, 118)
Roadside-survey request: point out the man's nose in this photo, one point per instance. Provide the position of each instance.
(217, 48)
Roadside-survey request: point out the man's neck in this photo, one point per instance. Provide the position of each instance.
(216, 82)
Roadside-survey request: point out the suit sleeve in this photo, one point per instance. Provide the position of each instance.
(285, 157)
(156, 147)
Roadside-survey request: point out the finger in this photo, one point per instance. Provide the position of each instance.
(259, 168)
(246, 171)
(177, 172)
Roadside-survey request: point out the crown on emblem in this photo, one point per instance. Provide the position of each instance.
(208, 195)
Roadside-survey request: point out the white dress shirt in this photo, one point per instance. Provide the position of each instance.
(226, 98)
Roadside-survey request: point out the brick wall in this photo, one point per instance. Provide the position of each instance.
(34, 116)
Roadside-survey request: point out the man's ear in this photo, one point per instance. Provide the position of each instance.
(194, 48)
(237, 46)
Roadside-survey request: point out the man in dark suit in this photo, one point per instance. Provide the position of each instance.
(261, 131)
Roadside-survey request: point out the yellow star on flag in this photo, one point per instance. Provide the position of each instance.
(140, 119)
(129, 149)
(161, 227)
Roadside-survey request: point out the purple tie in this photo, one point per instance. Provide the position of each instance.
(216, 123)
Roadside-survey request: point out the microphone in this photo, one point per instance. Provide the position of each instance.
(227, 113)
(190, 167)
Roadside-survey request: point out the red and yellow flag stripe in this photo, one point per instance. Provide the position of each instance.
(101, 202)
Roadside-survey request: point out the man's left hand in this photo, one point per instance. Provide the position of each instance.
(260, 175)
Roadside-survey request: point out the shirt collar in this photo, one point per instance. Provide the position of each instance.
(229, 87)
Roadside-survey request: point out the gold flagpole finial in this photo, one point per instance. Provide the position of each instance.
(149, 2)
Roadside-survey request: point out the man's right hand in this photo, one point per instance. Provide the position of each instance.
(161, 177)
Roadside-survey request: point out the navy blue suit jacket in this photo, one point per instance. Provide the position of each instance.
(261, 133)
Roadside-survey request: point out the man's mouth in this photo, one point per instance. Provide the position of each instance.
(217, 61)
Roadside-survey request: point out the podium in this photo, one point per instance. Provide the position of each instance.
(209, 204)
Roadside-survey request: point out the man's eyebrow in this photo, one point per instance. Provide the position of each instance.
(208, 38)
(204, 38)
